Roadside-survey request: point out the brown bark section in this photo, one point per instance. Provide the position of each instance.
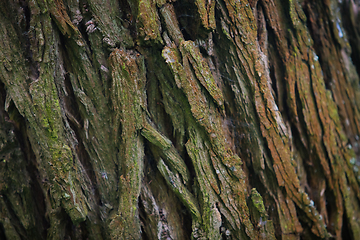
(179, 119)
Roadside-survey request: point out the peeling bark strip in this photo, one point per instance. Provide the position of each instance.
(128, 100)
(187, 119)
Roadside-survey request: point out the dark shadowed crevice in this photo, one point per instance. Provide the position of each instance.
(186, 222)
(83, 157)
(2, 232)
(225, 225)
(190, 167)
(154, 212)
(276, 85)
(350, 16)
(269, 201)
(232, 122)
(28, 37)
(298, 124)
(306, 225)
(161, 116)
(24, 14)
(18, 125)
(39, 200)
(319, 33)
(340, 65)
(149, 176)
(332, 211)
(166, 123)
(128, 17)
(72, 112)
(14, 219)
(154, 97)
(142, 215)
(226, 58)
(23, 26)
(276, 71)
(260, 22)
(149, 161)
(71, 105)
(87, 15)
(345, 231)
(307, 233)
(84, 229)
(314, 175)
(75, 122)
(353, 35)
(73, 231)
(189, 20)
(297, 141)
(242, 131)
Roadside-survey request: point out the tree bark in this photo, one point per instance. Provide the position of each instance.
(185, 119)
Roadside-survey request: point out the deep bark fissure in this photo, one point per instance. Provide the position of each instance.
(14, 220)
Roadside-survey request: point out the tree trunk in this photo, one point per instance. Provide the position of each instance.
(156, 119)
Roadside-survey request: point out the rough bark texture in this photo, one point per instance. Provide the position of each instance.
(202, 119)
